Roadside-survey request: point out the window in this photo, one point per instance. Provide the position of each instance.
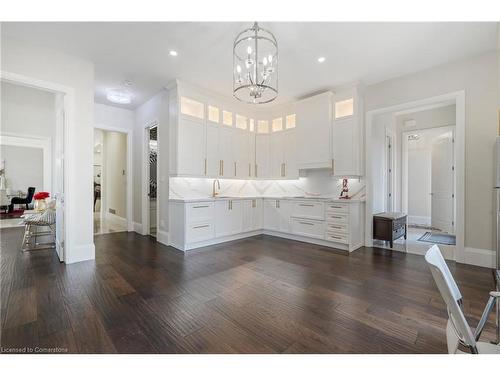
(227, 118)
(251, 124)
(277, 124)
(213, 114)
(192, 107)
(290, 121)
(263, 126)
(241, 122)
(344, 108)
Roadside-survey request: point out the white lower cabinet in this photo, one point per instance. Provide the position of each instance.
(228, 217)
(253, 214)
(329, 223)
(308, 228)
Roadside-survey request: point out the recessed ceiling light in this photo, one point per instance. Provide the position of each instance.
(172, 52)
(119, 96)
(321, 59)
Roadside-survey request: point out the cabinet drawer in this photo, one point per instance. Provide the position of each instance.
(308, 228)
(336, 237)
(309, 210)
(337, 227)
(337, 207)
(337, 218)
(201, 211)
(199, 232)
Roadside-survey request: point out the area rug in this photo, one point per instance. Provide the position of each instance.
(11, 215)
(440, 238)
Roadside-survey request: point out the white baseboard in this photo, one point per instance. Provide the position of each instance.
(162, 237)
(117, 219)
(419, 220)
(137, 227)
(80, 253)
(479, 257)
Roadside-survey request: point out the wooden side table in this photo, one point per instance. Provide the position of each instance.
(389, 226)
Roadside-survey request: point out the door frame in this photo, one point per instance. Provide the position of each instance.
(146, 228)
(457, 97)
(389, 133)
(130, 203)
(405, 169)
(68, 94)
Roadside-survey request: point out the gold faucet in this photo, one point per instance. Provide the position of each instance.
(214, 193)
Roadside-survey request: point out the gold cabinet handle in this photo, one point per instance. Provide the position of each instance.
(333, 166)
(205, 166)
(306, 205)
(235, 169)
(249, 170)
(284, 169)
(222, 167)
(255, 170)
(305, 223)
(200, 206)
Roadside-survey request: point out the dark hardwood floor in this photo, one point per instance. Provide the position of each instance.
(258, 295)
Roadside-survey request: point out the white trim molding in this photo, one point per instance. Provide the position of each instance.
(457, 97)
(130, 171)
(137, 227)
(162, 237)
(479, 257)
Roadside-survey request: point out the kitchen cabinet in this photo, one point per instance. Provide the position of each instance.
(191, 147)
(241, 152)
(331, 223)
(228, 217)
(262, 156)
(277, 215)
(276, 154)
(347, 133)
(314, 123)
(252, 214)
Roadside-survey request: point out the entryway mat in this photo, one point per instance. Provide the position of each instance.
(440, 238)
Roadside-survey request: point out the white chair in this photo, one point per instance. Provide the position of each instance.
(457, 328)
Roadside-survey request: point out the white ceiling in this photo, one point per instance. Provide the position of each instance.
(366, 52)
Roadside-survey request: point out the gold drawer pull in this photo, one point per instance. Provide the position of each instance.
(339, 238)
(306, 205)
(201, 206)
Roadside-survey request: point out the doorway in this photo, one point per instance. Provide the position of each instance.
(34, 132)
(152, 179)
(428, 188)
(428, 172)
(110, 171)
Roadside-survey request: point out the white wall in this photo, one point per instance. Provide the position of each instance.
(47, 65)
(107, 116)
(155, 109)
(478, 76)
(23, 167)
(114, 184)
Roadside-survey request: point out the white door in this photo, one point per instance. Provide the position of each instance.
(59, 176)
(389, 167)
(442, 184)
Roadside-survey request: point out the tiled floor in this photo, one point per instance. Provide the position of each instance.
(413, 246)
(107, 225)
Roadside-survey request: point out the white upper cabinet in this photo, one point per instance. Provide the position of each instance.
(314, 123)
(347, 133)
(214, 137)
(262, 156)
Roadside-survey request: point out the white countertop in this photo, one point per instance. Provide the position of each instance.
(211, 199)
